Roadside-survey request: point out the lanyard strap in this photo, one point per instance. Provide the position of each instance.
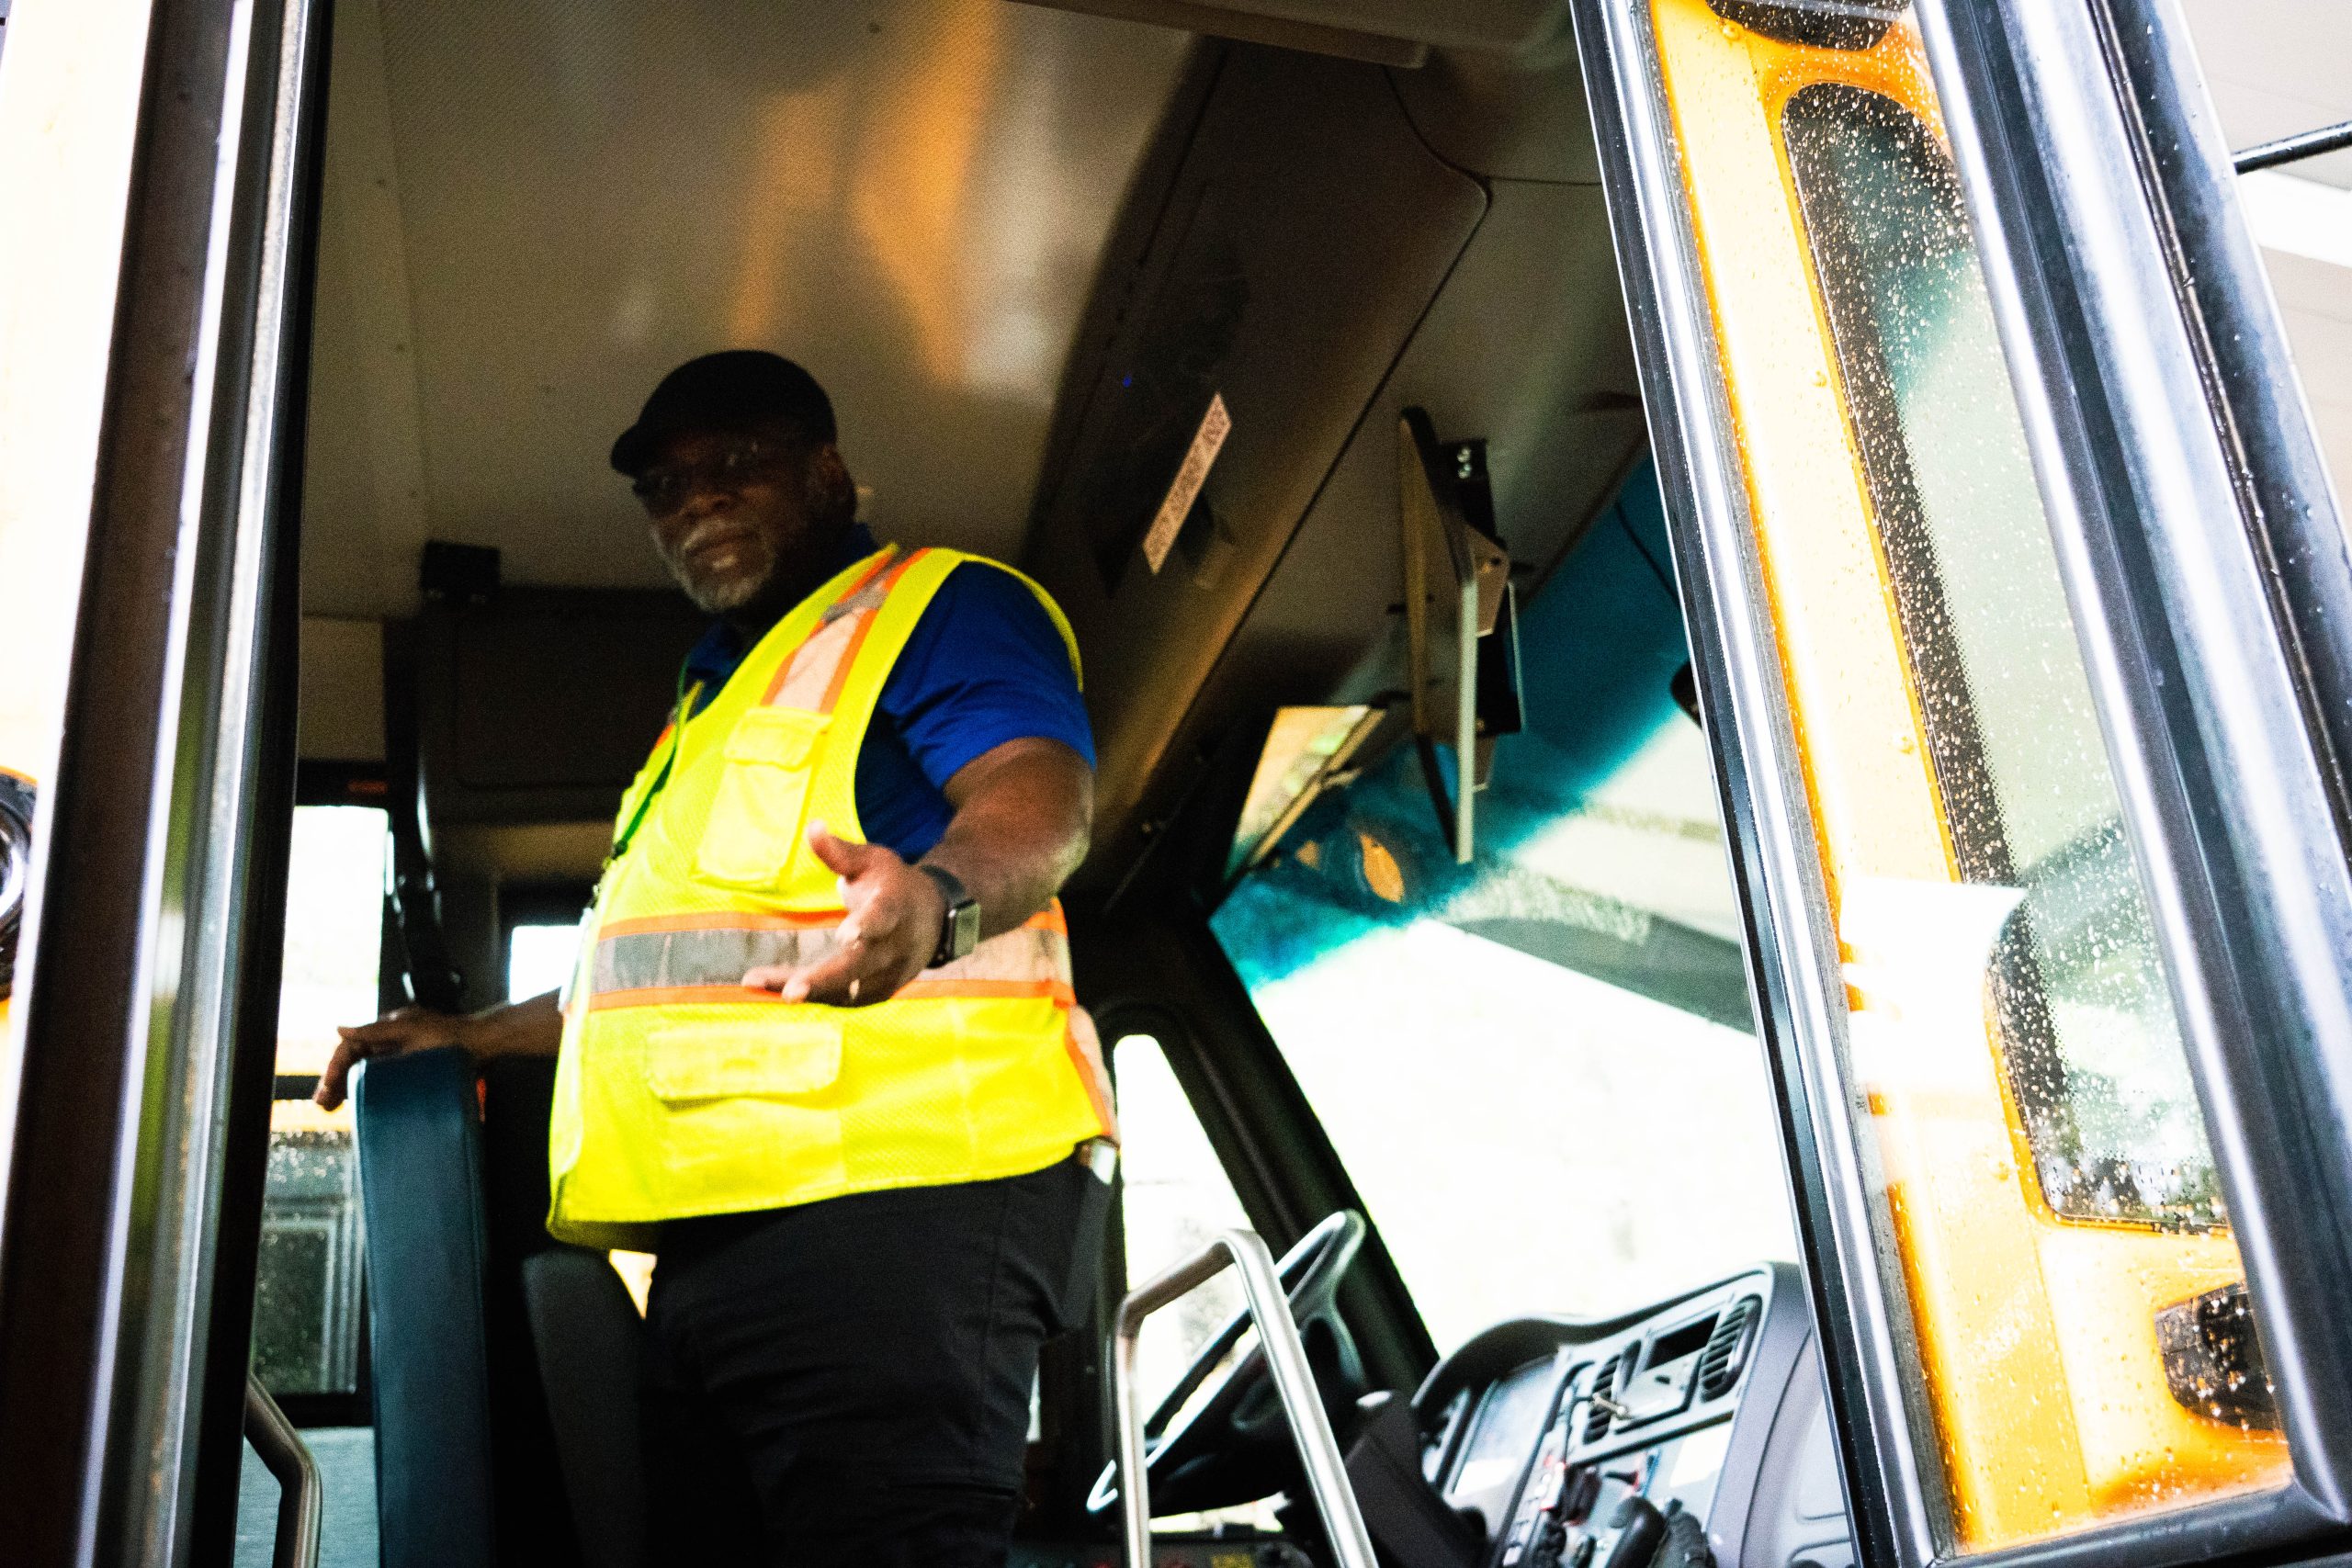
(687, 697)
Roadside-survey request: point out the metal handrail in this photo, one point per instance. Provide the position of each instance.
(301, 1495)
(1319, 1450)
(2291, 149)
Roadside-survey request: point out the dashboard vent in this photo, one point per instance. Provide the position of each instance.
(1604, 1390)
(1728, 1349)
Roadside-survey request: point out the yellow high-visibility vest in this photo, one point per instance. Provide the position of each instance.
(682, 1092)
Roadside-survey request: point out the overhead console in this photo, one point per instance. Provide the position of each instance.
(1689, 1433)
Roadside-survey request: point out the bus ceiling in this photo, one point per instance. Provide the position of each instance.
(1027, 247)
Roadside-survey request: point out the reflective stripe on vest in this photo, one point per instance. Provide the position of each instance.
(639, 962)
(681, 1090)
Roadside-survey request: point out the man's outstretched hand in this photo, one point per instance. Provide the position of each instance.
(887, 937)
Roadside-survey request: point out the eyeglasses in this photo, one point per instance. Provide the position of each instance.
(666, 487)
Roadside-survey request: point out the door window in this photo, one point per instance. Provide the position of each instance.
(2077, 1344)
(307, 1298)
(1175, 1199)
(2094, 1062)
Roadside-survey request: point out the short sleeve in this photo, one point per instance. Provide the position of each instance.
(986, 664)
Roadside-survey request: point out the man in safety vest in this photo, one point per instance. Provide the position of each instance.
(820, 1051)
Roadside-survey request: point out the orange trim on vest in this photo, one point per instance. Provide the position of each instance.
(917, 990)
(857, 639)
(1091, 1074)
(889, 553)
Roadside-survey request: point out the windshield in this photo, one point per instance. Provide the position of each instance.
(1539, 1068)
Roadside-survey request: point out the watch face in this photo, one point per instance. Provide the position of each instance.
(964, 924)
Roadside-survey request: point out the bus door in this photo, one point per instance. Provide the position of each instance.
(2019, 607)
(157, 181)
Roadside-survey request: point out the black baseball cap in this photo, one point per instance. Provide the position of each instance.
(733, 390)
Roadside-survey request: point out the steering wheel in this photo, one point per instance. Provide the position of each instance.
(1233, 1444)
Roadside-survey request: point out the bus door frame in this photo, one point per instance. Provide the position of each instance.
(2143, 345)
(136, 1159)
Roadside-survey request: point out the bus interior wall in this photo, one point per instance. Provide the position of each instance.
(1025, 248)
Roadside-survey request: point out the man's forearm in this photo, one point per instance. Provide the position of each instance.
(533, 1027)
(1023, 819)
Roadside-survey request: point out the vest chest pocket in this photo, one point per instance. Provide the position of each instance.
(762, 801)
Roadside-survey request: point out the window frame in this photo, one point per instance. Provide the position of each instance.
(2168, 652)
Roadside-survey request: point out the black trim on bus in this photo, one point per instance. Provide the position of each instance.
(2222, 279)
(277, 787)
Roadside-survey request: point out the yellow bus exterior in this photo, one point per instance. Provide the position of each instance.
(2035, 1333)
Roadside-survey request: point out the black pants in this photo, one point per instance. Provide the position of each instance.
(848, 1381)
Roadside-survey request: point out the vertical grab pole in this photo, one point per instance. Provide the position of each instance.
(1318, 1448)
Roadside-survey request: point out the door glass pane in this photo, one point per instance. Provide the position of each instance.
(2081, 1345)
(1175, 1199)
(2094, 1062)
(307, 1297)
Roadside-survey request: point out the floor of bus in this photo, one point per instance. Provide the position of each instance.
(347, 1460)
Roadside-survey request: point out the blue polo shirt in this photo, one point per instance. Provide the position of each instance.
(986, 665)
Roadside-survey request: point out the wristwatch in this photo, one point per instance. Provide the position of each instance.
(959, 927)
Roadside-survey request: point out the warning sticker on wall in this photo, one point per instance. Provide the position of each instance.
(1208, 442)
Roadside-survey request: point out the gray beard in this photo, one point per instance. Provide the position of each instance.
(717, 598)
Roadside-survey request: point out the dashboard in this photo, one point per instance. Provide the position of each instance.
(1690, 1432)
